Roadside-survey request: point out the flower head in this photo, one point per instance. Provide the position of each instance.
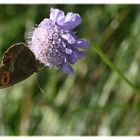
(54, 43)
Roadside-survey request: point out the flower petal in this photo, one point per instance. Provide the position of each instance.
(68, 51)
(72, 20)
(45, 22)
(68, 69)
(69, 38)
(82, 43)
(76, 54)
(57, 16)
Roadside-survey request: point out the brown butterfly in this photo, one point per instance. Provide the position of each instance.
(18, 64)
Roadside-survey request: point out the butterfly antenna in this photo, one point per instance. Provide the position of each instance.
(42, 91)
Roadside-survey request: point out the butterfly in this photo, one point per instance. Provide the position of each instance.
(18, 63)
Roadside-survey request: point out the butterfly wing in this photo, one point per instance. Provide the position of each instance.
(18, 64)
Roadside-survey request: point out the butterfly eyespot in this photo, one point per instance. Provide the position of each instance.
(5, 78)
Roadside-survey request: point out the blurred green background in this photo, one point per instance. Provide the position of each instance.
(96, 101)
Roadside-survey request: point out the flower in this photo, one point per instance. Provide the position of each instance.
(54, 43)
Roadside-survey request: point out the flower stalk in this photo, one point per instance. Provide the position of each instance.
(116, 69)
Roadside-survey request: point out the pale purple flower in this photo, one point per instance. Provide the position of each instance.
(54, 43)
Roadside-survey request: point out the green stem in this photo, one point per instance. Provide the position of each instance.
(113, 67)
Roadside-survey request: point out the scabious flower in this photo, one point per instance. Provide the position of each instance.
(54, 43)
